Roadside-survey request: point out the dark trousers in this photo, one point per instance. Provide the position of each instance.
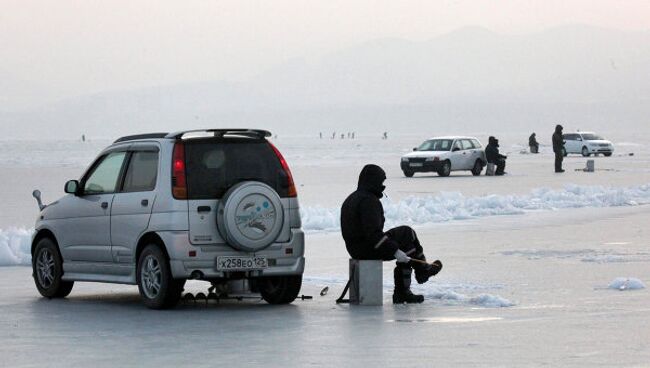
(559, 157)
(409, 244)
(501, 166)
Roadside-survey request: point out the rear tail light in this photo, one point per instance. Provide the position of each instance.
(291, 192)
(179, 182)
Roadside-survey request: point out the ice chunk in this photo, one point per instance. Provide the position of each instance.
(626, 283)
(15, 247)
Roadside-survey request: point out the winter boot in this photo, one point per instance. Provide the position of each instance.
(402, 293)
(424, 272)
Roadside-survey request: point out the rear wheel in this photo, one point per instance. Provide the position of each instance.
(47, 266)
(408, 173)
(478, 167)
(585, 152)
(607, 154)
(158, 289)
(445, 170)
(280, 289)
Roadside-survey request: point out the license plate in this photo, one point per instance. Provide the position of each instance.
(415, 164)
(241, 263)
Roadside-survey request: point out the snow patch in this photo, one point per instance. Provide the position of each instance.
(626, 283)
(449, 206)
(15, 247)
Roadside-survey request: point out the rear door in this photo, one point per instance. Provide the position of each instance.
(86, 236)
(469, 153)
(457, 158)
(132, 205)
(216, 164)
(571, 143)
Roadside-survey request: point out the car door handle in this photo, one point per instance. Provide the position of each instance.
(144, 202)
(203, 209)
(104, 205)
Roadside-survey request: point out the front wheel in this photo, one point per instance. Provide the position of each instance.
(445, 170)
(607, 154)
(47, 266)
(585, 152)
(408, 173)
(280, 289)
(158, 289)
(478, 167)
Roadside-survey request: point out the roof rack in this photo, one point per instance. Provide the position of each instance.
(252, 133)
(141, 136)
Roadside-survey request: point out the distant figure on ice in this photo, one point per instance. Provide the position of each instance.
(362, 225)
(352, 135)
(320, 134)
(558, 148)
(532, 143)
(333, 135)
(385, 136)
(494, 157)
(342, 136)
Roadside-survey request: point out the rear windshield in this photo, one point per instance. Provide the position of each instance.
(215, 165)
(436, 145)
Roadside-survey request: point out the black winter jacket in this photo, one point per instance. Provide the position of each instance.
(492, 154)
(558, 140)
(362, 218)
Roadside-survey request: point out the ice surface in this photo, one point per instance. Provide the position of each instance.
(15, 247)
(448, 206)
(626, 283)
(448, 293)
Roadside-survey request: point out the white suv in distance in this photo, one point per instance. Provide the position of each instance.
(444, 155)
(157, 209)
(586, 144)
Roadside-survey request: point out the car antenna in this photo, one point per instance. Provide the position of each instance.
(37, 194)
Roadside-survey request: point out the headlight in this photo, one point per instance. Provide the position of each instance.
(405, 159)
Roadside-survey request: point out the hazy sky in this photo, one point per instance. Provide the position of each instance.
(51, 50)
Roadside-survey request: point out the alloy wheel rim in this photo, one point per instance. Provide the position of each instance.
(45, 268)
(151, 275)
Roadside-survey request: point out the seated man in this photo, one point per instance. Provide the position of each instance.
(362, 224)
(494, 157)
(532, 143)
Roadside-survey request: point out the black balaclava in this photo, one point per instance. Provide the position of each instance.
(372, 179)
(558, 128)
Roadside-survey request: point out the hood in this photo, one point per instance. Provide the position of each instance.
(372, 179)
(427, 154)
(558, 129)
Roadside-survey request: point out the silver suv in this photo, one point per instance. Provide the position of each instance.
(158, 209)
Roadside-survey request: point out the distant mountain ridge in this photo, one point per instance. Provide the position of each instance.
(471, 76)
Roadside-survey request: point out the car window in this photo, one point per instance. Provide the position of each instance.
(570, 137)
(467, 144)
(436, 145)
(213, 166)
(457, 145)
(476, 143)
(592, 137)
(142, 172)
(103, 178)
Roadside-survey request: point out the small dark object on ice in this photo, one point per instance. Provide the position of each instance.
(324, 291)
(306, 297)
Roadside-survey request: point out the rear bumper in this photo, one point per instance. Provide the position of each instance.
(284, 258)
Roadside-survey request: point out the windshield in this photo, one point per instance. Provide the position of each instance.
(592, 137)
(436, 145)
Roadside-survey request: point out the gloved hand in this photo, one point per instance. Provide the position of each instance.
(401, 257)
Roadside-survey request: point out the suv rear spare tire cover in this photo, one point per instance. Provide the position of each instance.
(250, 216)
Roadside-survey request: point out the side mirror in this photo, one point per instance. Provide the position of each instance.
(455, 149)
(415, 148)
(72, 187)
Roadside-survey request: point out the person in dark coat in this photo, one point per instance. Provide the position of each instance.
(362, 225)
(494, 157)
(558, 148)
(532, 143)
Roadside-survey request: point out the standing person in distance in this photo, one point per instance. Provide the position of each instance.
(558, 148)
(362, 225)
